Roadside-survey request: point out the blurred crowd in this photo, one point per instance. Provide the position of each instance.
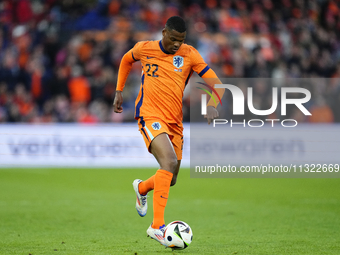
(59, 58)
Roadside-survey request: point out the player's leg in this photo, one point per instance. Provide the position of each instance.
(143, 187)
(174, 177)
(149, 130)
(147, 185)
(168, 154)
(162, 149)
(177, 142)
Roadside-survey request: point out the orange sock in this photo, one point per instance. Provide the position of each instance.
(160, 196)
(147, 185)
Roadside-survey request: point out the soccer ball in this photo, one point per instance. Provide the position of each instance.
(178, 235)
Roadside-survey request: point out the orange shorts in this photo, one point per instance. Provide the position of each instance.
(150, 128)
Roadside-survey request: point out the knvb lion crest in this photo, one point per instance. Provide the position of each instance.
(178, 61)
(156, 126)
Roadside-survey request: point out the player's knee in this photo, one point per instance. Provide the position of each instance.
(170, 164)
(173, 181)
(173, 164)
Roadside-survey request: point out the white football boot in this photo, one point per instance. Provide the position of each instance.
(157, 234)
(141, 201)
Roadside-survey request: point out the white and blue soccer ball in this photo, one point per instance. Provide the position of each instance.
(178, 235)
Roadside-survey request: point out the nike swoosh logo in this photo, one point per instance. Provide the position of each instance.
(149, 57)
(164, 197)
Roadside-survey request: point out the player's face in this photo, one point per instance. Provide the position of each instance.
(172, 40)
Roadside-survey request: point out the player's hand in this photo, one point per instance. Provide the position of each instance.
(212, 113)
(117, 103)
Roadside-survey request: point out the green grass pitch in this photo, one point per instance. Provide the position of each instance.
(91, 211)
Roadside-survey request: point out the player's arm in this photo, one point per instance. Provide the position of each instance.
(211, 79)
(123, 72)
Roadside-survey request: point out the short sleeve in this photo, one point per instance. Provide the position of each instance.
(198, 64)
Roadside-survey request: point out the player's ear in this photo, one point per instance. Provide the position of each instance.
(163, 32)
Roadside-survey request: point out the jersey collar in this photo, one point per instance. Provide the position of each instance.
(162, 48)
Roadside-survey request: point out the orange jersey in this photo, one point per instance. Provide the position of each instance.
(164, 77)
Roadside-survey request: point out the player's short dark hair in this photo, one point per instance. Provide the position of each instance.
(176, 23)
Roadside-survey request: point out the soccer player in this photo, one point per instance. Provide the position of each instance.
(167, 66)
